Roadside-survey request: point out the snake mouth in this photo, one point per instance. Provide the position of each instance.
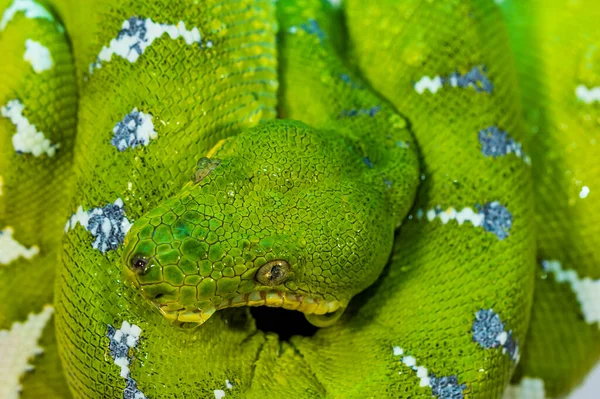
(319, 312)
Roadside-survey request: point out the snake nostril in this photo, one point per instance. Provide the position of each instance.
(138, 264)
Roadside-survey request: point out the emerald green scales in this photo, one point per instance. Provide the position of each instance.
(208, 247)
(316, 207)
(291, 214)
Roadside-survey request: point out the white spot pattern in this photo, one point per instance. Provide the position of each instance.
(27, 139)
(17, 346)
(586, 95)
(586, 289)
(528, 388)
(134, 130)
(32, 10)
(132, 334)
(38, 56)
(121, 343)
(138, 34)
(427, 83)
(462, 216)
(108, 224)
(220, 393)
(10, 249)
(441, 387)
(410, 361)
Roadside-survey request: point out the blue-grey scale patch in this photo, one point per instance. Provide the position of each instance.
(446, 387)
(495, 143)
(109, 225)
(348, 80)
(402, 144)
(494, 218)
(131, 390)
(388, 182)
(476, 78)
(488, 331)
(511, 346)
(312, 27)
(368, 162)
(486, 328)
(137, 28)
(127, 132)
(497, 219)
(117, 348)
(372, 111)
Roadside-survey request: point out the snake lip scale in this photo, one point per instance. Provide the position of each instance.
(321, 312)
(272, 298)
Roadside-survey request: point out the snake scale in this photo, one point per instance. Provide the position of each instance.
(418, 178)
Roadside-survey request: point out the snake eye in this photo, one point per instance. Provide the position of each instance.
(273, 273)
(138, 264)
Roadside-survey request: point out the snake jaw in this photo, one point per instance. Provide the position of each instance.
(319, 312)
(325, 320)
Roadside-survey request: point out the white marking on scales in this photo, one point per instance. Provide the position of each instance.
(38, 56)
(134, 130)
(528, 388)
(137, 34)
(108, 224)
(11, 249)
(32, 10)
(27, 139)
(427, 83)
(18, 346)
(586, 95)
(586, 289)
(441, 387)
(462, 216)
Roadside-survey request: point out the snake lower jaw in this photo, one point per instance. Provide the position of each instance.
(319, 312)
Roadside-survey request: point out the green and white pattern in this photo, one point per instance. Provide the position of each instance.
(419, 177)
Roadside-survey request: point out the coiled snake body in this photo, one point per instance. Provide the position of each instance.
(418, 177)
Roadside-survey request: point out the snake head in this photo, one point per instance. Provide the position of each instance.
(281, 215)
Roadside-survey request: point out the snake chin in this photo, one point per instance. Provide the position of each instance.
(319, 312)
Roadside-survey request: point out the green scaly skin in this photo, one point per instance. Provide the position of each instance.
(325, 201)
(301, 211)
(282, 192)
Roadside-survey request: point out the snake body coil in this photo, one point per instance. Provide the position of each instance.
(416, 176)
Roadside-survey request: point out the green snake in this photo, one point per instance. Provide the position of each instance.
(415, 178)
